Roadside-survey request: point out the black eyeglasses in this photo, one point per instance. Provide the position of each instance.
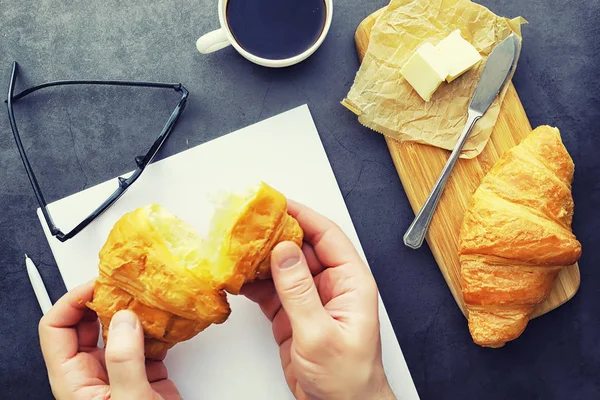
(124, 183)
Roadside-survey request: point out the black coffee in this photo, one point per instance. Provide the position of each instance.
(276, 29)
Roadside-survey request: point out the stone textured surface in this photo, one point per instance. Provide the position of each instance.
(80, 138)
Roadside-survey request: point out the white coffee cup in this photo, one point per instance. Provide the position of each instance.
(221, 38)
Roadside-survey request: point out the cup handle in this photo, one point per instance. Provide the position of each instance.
(212, 41)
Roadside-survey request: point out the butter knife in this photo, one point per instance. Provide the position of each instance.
(498, 68)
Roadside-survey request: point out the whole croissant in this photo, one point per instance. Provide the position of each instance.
(516, 236)
(157, 266)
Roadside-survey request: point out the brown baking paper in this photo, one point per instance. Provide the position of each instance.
(385, 102)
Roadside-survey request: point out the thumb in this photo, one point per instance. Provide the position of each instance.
(125, 360)
(296, 288)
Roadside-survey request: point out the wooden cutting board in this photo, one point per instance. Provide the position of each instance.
(419, 166)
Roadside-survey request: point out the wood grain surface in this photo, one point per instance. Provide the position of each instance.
(419, 166)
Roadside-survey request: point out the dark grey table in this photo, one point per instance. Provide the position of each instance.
(80, 138)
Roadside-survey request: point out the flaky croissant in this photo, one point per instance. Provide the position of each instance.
(516, 236)
(157, 266)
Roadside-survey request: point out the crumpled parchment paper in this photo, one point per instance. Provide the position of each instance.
(385, 102)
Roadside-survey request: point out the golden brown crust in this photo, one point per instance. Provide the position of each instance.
(262, 223)
(140, 268)
(138, 272)
(502, 282)
(495, 328)
(291, 233)
(516, 236)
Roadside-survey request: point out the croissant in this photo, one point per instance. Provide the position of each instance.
(516, 236)
(159, 267)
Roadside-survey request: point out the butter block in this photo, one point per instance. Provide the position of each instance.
(425, 70)
(459, 55)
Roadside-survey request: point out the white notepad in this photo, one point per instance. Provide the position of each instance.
(237, 359)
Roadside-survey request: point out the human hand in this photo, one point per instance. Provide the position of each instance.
(323, 303)
(78, 369)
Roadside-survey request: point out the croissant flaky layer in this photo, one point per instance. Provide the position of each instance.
(157, 266)
(516, 236)
(238, 249)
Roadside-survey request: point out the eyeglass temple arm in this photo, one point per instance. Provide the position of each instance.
(30, 174)
(143, 161)
(177, 86)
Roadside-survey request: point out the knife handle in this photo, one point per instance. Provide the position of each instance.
(415, 234)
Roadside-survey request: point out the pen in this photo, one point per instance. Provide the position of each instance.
(38, 286)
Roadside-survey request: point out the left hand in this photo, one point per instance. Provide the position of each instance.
(78, 369)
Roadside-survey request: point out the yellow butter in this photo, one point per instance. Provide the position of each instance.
(425, 70)
(459, 55)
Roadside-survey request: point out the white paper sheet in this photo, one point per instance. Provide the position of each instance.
(238, 359)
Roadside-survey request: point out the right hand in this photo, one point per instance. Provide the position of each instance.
(323, 303)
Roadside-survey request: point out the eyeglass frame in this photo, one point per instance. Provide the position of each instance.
(124, 183)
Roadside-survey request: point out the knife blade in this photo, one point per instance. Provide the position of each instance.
(498, 68)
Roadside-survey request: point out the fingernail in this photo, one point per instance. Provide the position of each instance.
(124, 319)
(287, 254)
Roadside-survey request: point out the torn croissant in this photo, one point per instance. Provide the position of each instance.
(516, 237)
(158, 267)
